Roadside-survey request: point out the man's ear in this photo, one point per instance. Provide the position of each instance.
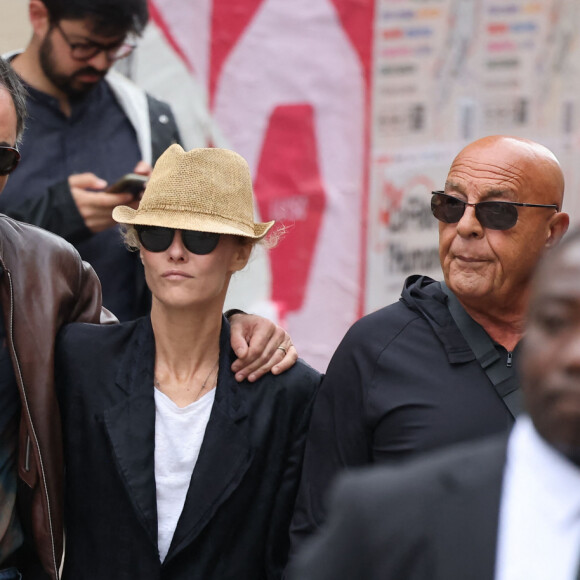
(39, 18)
(557, 228)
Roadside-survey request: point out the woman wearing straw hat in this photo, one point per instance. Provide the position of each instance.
(175, 470)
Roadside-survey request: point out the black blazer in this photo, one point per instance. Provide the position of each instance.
(238, 507)
(433, 519)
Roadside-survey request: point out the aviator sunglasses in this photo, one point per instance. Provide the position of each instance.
(494, 215)
(158, 239)
(9, 158)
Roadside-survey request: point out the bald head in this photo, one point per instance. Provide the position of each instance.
(520, 161)
(489, 268)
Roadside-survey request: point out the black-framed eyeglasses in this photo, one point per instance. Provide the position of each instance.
(158, 239)
(9, 158)
(494, 215)
(86, 50)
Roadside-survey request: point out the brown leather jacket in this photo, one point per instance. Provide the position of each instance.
(43, 285)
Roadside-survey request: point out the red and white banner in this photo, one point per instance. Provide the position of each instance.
(287, 86)
(349, 113)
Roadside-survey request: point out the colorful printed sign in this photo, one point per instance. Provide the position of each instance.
(349, 113)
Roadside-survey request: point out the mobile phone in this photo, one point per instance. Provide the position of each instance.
(130, 183)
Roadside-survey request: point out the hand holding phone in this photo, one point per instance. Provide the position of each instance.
(94, 204)
(129, 183)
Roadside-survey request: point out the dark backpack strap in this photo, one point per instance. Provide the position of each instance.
(502, 377)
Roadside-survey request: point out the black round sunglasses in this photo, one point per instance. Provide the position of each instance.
(494, 215)
(158, 239)
(9, 158)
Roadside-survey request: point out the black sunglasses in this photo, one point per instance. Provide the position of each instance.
(158, 239)
(9, 158)
(494, 215)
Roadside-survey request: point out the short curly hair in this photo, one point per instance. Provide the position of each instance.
(108, 17)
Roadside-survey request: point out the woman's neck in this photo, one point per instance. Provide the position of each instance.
(186, 352)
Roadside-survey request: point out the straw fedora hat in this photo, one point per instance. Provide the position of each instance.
(207, 190)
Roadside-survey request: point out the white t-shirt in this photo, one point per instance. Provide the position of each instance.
(179, 433)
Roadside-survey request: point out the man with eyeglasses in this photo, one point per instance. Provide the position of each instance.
(437, 367)
(88, 127)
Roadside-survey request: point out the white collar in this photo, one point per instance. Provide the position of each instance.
(552, 476)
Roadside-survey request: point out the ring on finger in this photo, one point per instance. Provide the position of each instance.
(282, 349)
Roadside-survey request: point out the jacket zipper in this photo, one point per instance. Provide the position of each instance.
(510, 356)
(28, 441)
(27, 460)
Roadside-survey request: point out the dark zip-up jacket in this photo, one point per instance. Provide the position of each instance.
(43, 285)
(403, 381)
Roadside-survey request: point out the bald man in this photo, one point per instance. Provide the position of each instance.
(437, 367)
(486, 510)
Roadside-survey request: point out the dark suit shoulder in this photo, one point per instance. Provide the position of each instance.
(80, 331)
(422, 478)
(433, 517)
(302, 370)
(298, 383)
(79, 341)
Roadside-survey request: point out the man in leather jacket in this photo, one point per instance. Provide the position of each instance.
(44, 284)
